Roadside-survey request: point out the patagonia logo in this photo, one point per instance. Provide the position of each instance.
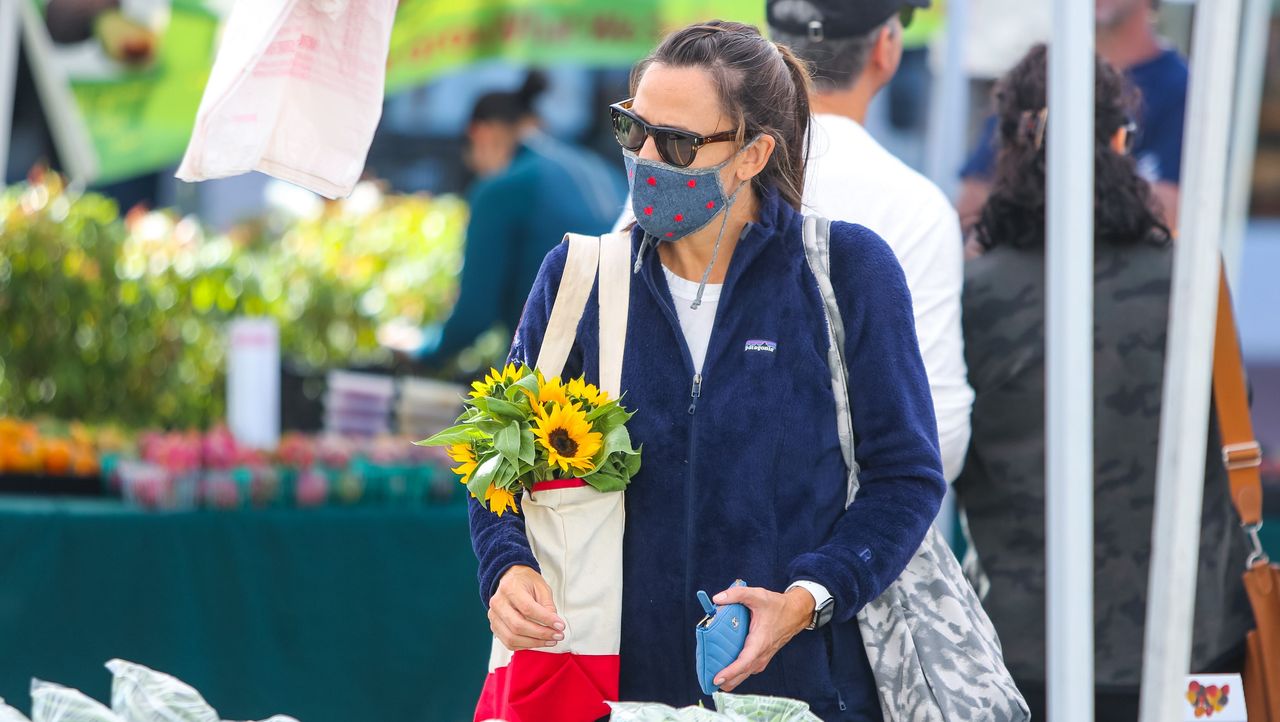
(756, 344)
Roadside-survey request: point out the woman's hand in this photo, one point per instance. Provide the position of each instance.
(522, 614)
(775, 619)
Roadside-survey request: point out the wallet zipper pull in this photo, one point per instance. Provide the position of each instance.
(707, 606)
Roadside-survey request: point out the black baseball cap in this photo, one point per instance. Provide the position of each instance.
(820, 19)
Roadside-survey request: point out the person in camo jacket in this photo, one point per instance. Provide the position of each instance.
(1001, 488)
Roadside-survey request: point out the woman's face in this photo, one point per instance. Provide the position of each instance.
(687, 99)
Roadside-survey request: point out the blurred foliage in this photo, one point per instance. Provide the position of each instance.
(115, 319)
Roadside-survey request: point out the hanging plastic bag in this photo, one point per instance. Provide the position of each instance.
(295, 92)
(9, 714)
(139, 693)
(54, 703)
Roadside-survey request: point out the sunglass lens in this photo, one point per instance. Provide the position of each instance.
(906, 15)
(676, 149)
(630, 134)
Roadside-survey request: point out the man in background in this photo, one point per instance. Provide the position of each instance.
(855, 48)
(1126, 38)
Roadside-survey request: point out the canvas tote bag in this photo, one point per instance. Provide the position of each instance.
(933, 651)
(575, 531)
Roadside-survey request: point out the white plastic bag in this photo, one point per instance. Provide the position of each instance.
(139, 694)
(731, 708)
(54, 703)
(9, 714)
(295, 92)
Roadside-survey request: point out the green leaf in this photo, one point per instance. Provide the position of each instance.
(617, 440)
(528, 450)
(507, 441)
(460, 434)
(527, 384)
(506, 410)
(631, 464)
(484, 475)
(490, 427)
(606, 481)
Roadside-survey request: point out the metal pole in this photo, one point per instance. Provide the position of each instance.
(949, 105)
(1069, 364)
(1244, 131)
(8, 77)
(1185, 412)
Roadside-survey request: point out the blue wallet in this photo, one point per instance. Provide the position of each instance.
(721, 635)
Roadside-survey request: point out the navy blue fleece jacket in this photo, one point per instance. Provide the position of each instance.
(746, 479)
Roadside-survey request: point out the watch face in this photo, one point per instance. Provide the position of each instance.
(823, 614)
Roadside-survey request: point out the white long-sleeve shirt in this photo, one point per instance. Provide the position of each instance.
(853, 178)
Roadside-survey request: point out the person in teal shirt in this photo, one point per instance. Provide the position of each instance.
(532, 190)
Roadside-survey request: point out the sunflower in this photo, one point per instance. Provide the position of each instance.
(508, 375)
(466, 458)
(582, 390)
(567, 436)
(552, 392)
(499, 500)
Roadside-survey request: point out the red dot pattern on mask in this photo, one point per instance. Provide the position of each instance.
(648, 210)
(653, 181)
(679, 217)
(693, 183)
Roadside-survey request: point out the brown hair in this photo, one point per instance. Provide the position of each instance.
(763, 86)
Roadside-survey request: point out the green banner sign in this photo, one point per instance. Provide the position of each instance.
(132, 76)
(433, 36)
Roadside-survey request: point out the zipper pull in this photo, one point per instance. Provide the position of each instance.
(695, 393)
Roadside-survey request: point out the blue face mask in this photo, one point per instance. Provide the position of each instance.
(669, 202)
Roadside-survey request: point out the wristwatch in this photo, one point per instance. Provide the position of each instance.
(823, 603)
(822, 613)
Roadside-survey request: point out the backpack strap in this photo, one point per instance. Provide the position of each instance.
(817, 251)
(571, 298)
(615, 295)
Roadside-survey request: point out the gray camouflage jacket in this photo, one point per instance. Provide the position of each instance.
(1002, 486)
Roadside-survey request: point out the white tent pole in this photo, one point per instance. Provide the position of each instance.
(1069, 364)
(8, 77)
(946, 139)
(1244, 131)
(1192, 315)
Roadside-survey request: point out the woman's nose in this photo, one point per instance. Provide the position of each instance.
(649, 151)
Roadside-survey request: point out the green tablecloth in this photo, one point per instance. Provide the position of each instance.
(329, 615)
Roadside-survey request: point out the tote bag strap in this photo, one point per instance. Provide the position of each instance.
(1240, 450)
(817, 251)
(615, 295)
(571, 298)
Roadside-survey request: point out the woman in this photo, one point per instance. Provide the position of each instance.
(1002, 486)
(532, 189)
(726, 366)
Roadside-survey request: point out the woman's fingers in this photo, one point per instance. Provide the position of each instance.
(510, 639)
(543, 613)
(509, 610)
(747, 664)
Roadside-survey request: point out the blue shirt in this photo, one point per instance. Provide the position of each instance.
(744, 478)
(1162, 83)
(517, 216)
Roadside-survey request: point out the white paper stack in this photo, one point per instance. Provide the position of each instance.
(427, 406)
(358, 404)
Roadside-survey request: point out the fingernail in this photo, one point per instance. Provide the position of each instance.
(558, 637)
(559, 626)
(719, 598)
(552, 644)
(719, 681)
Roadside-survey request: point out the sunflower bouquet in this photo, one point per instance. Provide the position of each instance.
(519, 429)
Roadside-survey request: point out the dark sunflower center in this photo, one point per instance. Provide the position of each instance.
(563, 443)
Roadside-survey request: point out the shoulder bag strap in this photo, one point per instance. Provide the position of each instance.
(615, 295)
(1240, 450)
(571, 298)
(817, 251)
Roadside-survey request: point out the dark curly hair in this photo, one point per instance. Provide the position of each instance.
(1124, 211)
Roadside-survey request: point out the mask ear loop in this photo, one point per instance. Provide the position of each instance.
(715, 250)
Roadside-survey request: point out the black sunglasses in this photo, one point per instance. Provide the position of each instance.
(677, 147)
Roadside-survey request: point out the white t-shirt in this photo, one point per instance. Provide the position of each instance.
(852, 178)
(695, 323)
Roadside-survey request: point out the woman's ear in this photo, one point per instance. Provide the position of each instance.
(755, 157)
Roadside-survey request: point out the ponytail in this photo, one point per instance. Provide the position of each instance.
(511, 107)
